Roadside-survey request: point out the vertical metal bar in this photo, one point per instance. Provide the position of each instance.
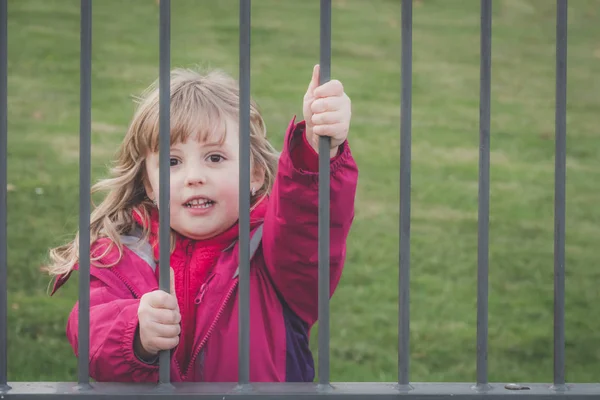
(405, 196)
(85, 149)
(484, 194)
(559, 194)
(3, 198)
(244, 199)
(324, 195)
(164, 168)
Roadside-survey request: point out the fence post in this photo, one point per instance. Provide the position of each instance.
(244, 199)
(324, 204)
(3, 199)
(164, 170)
(560, 195)
(85, 123)
(405, 197)
(483, 218)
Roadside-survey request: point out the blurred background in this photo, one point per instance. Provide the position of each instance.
(43, 151)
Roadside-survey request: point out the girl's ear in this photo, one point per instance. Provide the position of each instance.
(257, 180)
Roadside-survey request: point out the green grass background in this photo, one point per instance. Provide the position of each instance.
(43, 156)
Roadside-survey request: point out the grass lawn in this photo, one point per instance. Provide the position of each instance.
(43, 161)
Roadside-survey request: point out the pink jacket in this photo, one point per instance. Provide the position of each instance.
(283, 286)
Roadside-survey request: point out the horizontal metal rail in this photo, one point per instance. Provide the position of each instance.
(298, 391)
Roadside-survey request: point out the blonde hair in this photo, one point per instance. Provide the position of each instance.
(200, 106)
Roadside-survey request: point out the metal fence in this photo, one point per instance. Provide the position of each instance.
(481, 388)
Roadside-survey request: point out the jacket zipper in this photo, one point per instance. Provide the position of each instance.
(213, 325)
(203, 289)
(186, 284)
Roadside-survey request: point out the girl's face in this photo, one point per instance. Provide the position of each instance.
(204, 184)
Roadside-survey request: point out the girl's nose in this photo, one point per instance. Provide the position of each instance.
(195, 177)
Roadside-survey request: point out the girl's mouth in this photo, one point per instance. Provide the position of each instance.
(199, 203)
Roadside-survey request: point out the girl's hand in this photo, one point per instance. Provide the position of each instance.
(159, 322)
(327, 112)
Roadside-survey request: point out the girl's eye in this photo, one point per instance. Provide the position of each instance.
(174, 162)
(215, 158)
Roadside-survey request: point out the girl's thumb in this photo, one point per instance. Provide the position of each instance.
(314, 82)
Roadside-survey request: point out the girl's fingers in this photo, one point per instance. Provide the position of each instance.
(327, 104)
(328, 89)
(327, 118)
(167, 331)
(332, 130)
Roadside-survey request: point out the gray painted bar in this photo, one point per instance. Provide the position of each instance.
(164, 167)
(3, 197)
(405, 195)
(85, 149)
(244, 291)
(560, 194)
(324, 197)
(483, 220)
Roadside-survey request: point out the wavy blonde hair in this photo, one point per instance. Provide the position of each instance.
(200, 105)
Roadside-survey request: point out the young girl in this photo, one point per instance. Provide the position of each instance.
(131, 320)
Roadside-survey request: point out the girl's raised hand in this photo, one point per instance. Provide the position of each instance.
(327, 112)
